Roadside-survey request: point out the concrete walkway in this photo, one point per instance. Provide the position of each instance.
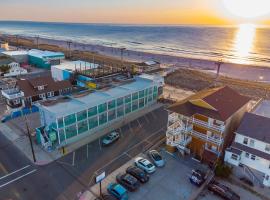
(22, 142)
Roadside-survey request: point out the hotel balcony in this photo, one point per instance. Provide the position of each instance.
(220, 128)
(175, 128)
(11, 94)
(173, 117)
(216, 140)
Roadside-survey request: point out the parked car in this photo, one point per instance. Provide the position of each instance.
(117, 191)
(247, 181)
(156, 158)
(110, 138)
(145, 165)
(138, 174)
(106, 197)
(222, 191)
(128, 181)
(197, 177)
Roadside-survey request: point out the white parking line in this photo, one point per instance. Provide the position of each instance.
(18, 178)
(15, 172)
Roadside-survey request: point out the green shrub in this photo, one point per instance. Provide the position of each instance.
(223, 170)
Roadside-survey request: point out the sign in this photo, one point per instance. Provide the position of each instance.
(100, 177)
(52, 136)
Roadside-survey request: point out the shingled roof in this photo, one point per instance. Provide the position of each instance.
(224, 101)
(255, 126)
(28, 86)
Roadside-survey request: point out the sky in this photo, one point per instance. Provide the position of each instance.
(135, 11)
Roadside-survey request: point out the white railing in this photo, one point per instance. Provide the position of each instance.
(173, 118)
(205, 124)
(12, 93)
(206, 137)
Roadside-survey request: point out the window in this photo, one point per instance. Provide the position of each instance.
(42, 96)
(102, 118)
(135, 96)
(70, 119)
(61, 135)
(120, 111)
(120, 101)
(251, 143)
(141, 102)
(128, 99)
(111, 104)
(81, 115)
(82, 127)
(234, 157)
(141, 94)
(112, 115)
(127, 108)
(71, 131)
(41, 87)
(134, 105)
(93, 122)
(267, 147)
(247, 155)
(92, 111)
(50, 94)
(60, 122)
(253, 157)
(245, 141)
(102, 107)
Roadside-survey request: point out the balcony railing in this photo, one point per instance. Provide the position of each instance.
(13, 93)
(207, 125)
(173, 118)
(215, 140)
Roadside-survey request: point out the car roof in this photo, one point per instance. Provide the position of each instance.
(120, 189)
(144, 161)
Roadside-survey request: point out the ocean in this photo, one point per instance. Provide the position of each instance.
(244, 44)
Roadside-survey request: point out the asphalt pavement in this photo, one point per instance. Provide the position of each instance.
(66, 177)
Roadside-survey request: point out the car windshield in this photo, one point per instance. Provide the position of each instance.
(149, 165)
(156, 156)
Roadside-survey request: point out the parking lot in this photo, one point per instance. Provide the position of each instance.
(170, 182)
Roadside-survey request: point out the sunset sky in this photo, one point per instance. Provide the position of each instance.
(138, 11)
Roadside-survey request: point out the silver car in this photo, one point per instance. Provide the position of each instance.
(145, 165)
(156, 158)
(111, 138)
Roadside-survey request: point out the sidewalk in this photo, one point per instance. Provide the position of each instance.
(23, 144)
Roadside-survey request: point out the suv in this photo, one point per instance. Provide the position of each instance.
(197, 177)
(145, 165)
(138, 174)
(128, 181)
(111, 138)
(222, 191)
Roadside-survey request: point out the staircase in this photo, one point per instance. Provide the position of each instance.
(247, 171)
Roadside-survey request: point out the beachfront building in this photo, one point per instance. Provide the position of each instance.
(78, 119)
(67, 69)
(44, 59)
(251, 146)
(18, 56)
(15, 70)
(29, 91)
(4, 46)
(203, 124)
(148, 66)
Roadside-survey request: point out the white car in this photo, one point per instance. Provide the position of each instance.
(145, 165)
(111, 138)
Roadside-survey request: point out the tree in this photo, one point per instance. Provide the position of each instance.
(4, 69)
(222, 170)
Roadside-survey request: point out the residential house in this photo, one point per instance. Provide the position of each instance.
(28, 91)
(251, 146)
(203, 124)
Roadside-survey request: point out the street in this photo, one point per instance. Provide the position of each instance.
(66, 177)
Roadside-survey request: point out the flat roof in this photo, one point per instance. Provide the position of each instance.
(263, 109)
(78, 103)
(73, 65)
(44, 54)
(15, 53)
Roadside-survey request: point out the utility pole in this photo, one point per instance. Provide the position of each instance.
(122, 54)
(17, 42)
(37, 38)
(30, 139)
(218, 63)
(69, 51)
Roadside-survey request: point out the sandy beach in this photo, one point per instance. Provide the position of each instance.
(112, 54)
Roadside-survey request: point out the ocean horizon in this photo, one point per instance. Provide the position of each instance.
(244, 44)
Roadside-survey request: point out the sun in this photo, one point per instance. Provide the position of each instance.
(249, 9)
